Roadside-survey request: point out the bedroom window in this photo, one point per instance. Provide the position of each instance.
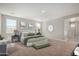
(10, 25)
(38, 25)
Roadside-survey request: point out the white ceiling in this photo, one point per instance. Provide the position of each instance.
(39, 12)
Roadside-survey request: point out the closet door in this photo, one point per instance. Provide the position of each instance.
(0, 24)
(72, 31)
(77, 31)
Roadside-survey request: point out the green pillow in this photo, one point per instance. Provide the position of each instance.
(1, 38)
(30, 34)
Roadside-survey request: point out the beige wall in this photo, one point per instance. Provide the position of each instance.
(0, 23)
(58, 32)
(26, 29)
(59, 28)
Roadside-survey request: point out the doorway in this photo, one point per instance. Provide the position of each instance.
(71, 29)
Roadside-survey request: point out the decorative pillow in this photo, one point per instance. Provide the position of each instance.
(30, 34)
(38, 33)
(1, 38)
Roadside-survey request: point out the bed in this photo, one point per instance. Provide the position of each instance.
(36, 41)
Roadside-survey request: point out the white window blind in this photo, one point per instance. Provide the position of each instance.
(10, 25)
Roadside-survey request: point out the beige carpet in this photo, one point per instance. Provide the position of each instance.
(56, 48)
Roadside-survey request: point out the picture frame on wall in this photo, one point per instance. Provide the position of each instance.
(30, 25)
(31, 28)
(22, 25)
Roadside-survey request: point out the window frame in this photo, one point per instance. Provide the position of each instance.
(7, 28)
